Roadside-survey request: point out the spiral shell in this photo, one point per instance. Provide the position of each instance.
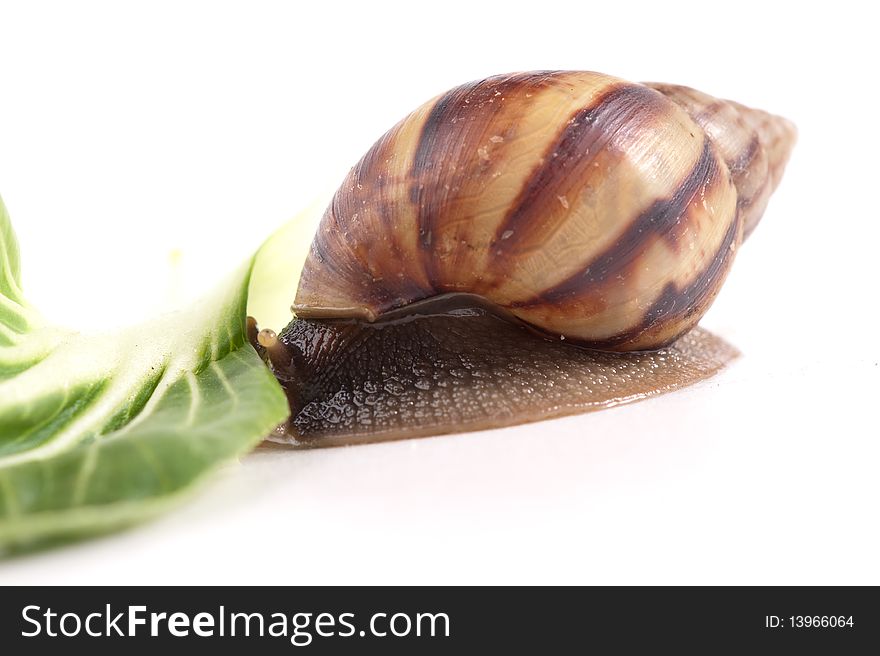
(594, 209)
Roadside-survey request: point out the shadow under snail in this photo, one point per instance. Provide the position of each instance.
(523, 247)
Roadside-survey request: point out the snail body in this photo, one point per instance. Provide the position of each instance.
(453, 364)
(592, 209)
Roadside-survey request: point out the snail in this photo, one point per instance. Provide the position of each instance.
(506, 227)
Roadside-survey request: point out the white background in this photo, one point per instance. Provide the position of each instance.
(130, 131)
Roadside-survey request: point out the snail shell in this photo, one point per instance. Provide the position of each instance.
(591, 208)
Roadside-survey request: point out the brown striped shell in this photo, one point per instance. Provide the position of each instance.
(598, 210)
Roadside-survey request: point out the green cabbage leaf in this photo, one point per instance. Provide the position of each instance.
(98, 432)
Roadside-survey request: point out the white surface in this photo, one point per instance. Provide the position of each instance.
(127, 132)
